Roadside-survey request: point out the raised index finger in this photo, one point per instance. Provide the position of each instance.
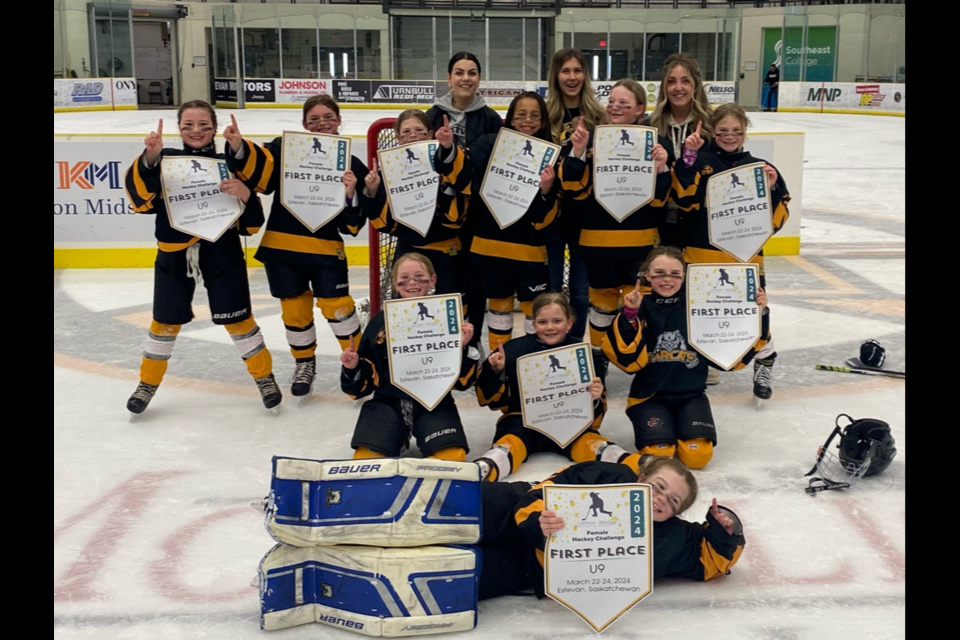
(715, 510)
(233, 121)
(699, 127)
(160, 127)
(446, 121)
(351, 342)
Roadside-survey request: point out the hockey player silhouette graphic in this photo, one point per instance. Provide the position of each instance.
(196, 167)
(423, 312)
(596, 506)
(624, 138)
(724, 278)
(411, 157)
(528, 149)
(735, 181)
(555, 364)
(317, 147)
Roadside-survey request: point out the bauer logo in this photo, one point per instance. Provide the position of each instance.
(355, 468)
(350, 624)
(86, 174)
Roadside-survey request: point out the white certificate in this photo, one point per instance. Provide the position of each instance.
(412, 183)
(554, 389)
(600, 564)
(195, 204)
(512, 180)
(723, 318)
(425, 346)
(311, 185)
(739, 210)
(624, 173)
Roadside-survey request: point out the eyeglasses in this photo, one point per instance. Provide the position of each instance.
(729, 134)
(532, 117)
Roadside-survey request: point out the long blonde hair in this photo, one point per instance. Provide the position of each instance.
(701, 104)
(590, 109)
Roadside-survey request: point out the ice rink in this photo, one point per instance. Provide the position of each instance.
(154, 536)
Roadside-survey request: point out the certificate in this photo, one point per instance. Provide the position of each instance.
(412, 184)
(723, 317)
(512, 180)
(624, 172)
(600, 564)
(424, 345)
(195, 204)
(739, 210)
(555, 391)
(311, 183)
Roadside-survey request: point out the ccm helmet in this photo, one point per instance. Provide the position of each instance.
(866, 448)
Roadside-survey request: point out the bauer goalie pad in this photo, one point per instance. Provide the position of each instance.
(369, 590)
(384, 502)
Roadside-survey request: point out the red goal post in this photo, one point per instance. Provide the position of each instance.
(380, 135)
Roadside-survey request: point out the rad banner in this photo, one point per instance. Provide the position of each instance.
(424, 345)
(723, 318)
(411, 183)
(624, 173)
(195, 204)
(738, 203)
(513, 174)
(600, 564)
(554, 387)
(312, 185)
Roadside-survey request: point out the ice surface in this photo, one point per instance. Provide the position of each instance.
(154, 536)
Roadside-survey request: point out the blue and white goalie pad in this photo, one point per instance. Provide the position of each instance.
(369, 590)
(384, 502)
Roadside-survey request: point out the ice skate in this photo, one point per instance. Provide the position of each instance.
(363, 312)
(141, 398)
(763, 378)
(270, 393)
(302, 382)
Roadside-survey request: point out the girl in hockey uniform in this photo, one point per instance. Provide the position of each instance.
(499, 389)
(302, 264)
(388, 418)
(442, 243)
(668, 404)
(512, 261)
(513, 548)
(612, 250)
(682, 106)
(701, 159)
(184, 260)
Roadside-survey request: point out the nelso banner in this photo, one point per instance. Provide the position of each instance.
(312, 185)
(513, 174)
(723, 318)
(195, 204)
(424, 344)
(554, 388)
(738, 203)
(412, 183)
(600, 564)
(624, 172)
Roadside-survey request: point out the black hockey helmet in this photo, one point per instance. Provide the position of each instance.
(866, 448)
(872, 354)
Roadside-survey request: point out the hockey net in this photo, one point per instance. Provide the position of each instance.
(380, 135)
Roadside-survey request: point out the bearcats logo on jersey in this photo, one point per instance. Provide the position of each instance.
(671, 347)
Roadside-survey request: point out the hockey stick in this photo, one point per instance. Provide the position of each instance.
(854, 363)
(863, 372)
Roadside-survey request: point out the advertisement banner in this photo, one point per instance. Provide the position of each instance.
(412, 183)
(399, 91)
(718, 92)
(296, 91)
(424, 343)
(738, 203)
(355, 91)
(786, 49)
(857, 97)
(88, 94)
(555, 388)
(312, 184)
(600, 564)
(255, 91)
(195, 204)
(723, 318)
(624, 173)
(513, 174)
